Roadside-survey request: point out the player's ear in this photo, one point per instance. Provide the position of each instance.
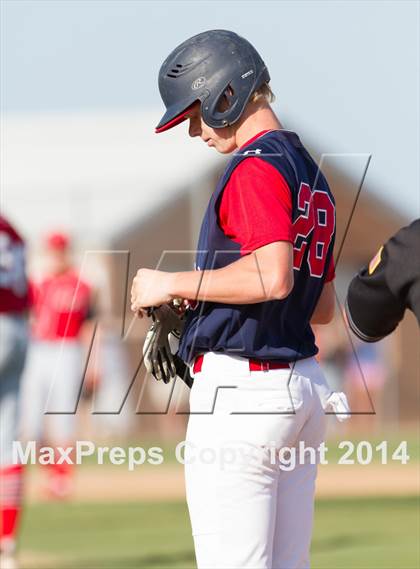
(225, 100)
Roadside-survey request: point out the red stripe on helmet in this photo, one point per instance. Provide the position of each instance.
(175, 121)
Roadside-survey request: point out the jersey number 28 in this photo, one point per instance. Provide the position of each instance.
(314, 228)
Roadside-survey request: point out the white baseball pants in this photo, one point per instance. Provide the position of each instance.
(248, 507)
(13, 346)
(51, 385)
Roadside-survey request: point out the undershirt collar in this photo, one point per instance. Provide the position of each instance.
(255, 137)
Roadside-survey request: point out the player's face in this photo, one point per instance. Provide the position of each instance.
(58, 260)
(222, 139)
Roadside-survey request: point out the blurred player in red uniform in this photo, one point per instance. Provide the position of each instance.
(14, 304)
(53, 379)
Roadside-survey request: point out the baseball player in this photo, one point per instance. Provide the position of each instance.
(381, 292)
(53, 376)
(14, 304)
(264, 273)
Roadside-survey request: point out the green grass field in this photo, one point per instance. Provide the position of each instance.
(365, 533)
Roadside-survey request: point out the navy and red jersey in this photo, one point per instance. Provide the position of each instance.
(14, 292)
(62, 303)
(256, 207)
(287, 198)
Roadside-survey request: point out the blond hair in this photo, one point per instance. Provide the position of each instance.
(263, 92)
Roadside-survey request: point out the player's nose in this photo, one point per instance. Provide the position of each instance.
(194, 128)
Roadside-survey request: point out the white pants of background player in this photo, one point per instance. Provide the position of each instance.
(245, 510)
(51, 385)
(13, 345)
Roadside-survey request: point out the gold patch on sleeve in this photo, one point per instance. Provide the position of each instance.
(375, 261)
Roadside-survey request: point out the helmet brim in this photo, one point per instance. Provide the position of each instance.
(174, 115)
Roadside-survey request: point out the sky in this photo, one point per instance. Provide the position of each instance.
(345, 73)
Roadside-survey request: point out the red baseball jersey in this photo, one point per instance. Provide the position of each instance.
(14, 296)
(61, 304)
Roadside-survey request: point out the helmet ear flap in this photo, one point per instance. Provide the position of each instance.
(226, 100)
(220, 110)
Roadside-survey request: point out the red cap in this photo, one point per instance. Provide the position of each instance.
(57, 241)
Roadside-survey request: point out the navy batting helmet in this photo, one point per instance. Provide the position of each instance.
(205, 68)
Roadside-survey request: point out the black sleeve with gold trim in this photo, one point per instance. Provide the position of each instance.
(379, 294)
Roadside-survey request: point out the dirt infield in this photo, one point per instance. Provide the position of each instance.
(95, 484)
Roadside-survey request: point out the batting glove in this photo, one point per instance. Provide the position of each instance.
(158, 358)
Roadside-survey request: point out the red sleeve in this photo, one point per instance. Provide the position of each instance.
(256, 206)
(330, 272)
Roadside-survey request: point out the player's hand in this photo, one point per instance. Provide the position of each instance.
(150, 288)
(180, 305)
